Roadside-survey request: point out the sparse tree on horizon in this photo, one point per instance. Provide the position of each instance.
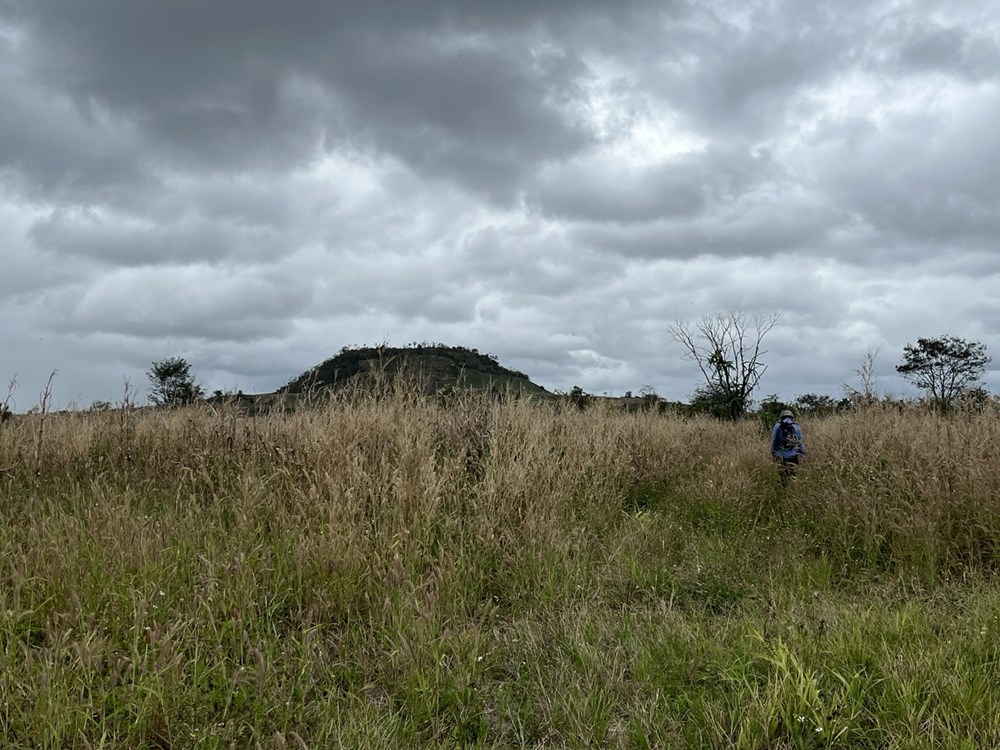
(171, 383)
(727, 349)
(867, 393)
(944, 367)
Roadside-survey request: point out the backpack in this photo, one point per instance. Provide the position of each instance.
(788, 439)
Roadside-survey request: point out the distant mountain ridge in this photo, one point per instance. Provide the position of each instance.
(433, 366)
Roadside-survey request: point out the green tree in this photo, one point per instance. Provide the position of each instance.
(727, 350)
(770, 408)
(712, 400)
(820, 405)
(944, 367)
(171, 383)
(579, 397)
(974, 399)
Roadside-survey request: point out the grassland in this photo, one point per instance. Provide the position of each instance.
(397, 572)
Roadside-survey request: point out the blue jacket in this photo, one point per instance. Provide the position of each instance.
(798, 450)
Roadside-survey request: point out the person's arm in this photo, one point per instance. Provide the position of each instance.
(802, 441)
(774, 440)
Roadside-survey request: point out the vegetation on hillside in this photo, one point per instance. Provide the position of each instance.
(434, 366)
(727, 349)
(407, 572)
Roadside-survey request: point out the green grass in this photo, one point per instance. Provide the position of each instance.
(401, 573)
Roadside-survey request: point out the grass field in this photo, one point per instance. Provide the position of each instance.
(395, 572)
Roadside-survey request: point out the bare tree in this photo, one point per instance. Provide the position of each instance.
(44, 406)
(5, 412)
(727, 349)
(867, 394)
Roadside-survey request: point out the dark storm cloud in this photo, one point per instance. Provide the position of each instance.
(48, 147)
(241, 85)
(607, 190)
(481, 119)
(137, 242)
(190, 302)
(617, 195)
(923, 47)
(757, 225)
(524, 263)
(926, 177)
(23, 272)
(253, 185)
(734, 69)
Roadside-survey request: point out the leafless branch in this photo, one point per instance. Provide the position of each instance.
(867, 392)
(44, 402)
(727, 348)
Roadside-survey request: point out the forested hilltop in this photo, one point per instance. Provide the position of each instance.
(435, 366)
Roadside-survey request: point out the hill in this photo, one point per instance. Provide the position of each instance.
(433, 366)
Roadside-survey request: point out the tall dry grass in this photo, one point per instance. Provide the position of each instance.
(909, 488)
(397, 569)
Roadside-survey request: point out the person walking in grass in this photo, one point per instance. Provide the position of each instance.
(787, 446)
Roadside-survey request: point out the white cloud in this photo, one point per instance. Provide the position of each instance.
(253, 186)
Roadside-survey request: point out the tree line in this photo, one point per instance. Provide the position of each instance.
(728, 350)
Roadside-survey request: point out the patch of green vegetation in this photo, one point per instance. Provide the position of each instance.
(432, 366)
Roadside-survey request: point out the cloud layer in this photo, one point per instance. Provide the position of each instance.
(253, 186)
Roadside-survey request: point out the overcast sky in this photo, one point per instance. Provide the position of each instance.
(252, 185)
